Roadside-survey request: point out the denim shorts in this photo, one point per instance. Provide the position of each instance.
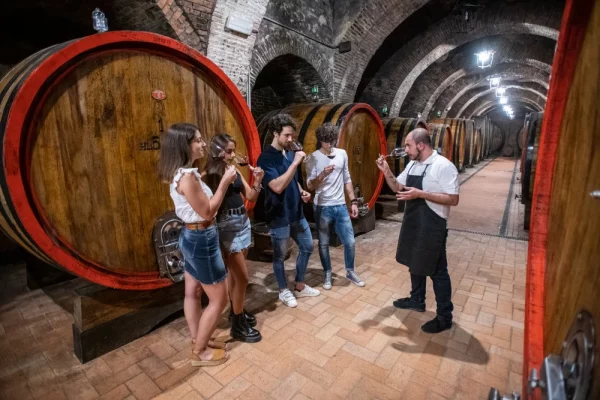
(202, 254)
(235, 233)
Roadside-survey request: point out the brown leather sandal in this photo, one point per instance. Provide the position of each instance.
(219, 356)
(213, 344)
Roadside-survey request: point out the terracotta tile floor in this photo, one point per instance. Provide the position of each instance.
(349, 343)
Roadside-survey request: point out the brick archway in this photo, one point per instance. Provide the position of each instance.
(401, 70)
(460, 81)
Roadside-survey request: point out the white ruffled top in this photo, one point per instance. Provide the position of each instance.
(183, 210)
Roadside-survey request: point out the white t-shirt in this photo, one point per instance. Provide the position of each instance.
(331, 191)
(441, 177)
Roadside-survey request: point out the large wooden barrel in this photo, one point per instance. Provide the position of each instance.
(441, 139)
(458, 130)
(564, 243)
(483, 124)
(497, 139)
(361, 135)
(478, 146)
(469, 142)
(80, 129)
(529, 171)
(396, 130)
(522, 141)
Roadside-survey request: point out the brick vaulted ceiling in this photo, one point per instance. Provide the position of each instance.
(427, 64)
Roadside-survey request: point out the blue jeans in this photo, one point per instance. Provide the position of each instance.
(300, 232)
(326, 216)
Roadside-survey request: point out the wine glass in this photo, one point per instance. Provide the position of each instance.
(219, 150)
(296, 146)
(398, 152)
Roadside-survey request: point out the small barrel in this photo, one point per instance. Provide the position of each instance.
(80, 130)
(458, 130)
(361, 136)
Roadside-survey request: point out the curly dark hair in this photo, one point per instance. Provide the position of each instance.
(328, 133)
(279, 121)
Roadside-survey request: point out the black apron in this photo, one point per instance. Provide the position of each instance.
(423, 233)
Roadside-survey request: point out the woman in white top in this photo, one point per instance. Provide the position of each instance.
(196, 206)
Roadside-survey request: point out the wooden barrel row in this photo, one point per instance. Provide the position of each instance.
(81, 124)
(361, 136)
(529, 155)
(458, 131)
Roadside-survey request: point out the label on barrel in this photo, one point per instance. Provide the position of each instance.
(158, 95)
(153, 144)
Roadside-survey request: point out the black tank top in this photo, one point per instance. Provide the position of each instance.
(233, 198)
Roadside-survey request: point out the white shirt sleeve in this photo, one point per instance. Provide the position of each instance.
(347, 177)
(404, 174)
(311, 166)
(449, 179)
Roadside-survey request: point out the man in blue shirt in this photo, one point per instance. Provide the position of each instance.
(283, 208)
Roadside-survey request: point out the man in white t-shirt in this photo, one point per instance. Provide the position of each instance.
(429, 185)
(328, 175)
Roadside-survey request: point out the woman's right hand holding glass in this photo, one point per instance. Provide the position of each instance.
(230, 174)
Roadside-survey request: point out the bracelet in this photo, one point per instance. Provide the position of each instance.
(354, 201)
(259, 188)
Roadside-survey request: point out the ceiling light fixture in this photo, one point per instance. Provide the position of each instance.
(485, 58)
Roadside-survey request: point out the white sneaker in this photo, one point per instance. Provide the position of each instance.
(327, 281)
(307, 292)
(288, 298)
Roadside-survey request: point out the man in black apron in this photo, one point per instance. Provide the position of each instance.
(429, 185)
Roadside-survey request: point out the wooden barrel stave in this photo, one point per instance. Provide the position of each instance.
(361, 136)
(457, 128)
(103, 233)
(441, 139)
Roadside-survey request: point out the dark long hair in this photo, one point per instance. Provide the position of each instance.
(215, 167)
(175, 150)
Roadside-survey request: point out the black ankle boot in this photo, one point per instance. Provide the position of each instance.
(243, 332)
(251, 319)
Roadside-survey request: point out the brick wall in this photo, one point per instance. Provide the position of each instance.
(231, 51)
(376, 20)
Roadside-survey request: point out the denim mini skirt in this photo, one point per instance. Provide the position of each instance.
(235, 233)
(202, 254)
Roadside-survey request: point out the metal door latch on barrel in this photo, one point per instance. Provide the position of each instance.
(166, 244)
(568, 376)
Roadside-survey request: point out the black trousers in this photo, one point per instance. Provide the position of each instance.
(442, 287)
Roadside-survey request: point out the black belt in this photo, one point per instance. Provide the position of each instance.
(233, 211)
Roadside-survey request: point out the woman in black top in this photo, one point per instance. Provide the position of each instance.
(234, 230)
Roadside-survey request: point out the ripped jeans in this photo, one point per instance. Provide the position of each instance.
(337, 216)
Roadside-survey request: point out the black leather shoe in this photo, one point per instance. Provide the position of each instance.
(243, 332)
(408, 303)
(436, 325)
(250, 318)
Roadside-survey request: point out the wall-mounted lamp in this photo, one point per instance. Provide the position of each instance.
(100, 23)
(344, 47)
(503, 100)
(439, 113)
(384, 110)
(419, 115)
(485, 58)
(500, 91)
